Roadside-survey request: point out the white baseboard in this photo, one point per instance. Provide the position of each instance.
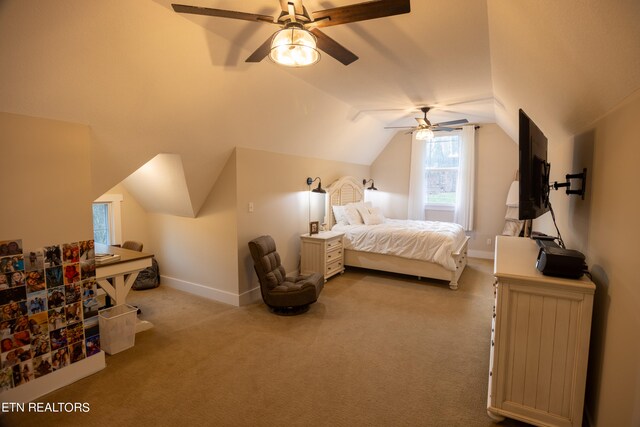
(212, 293)
(46, 384)
(473, 253)
(251, 296)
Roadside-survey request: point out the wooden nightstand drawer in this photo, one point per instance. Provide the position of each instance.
(334, 255)
(333, 268)
(334, 244)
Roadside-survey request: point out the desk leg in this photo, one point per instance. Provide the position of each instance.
(108, 288)
(118, 292)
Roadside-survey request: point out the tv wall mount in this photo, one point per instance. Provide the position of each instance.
(582, 183)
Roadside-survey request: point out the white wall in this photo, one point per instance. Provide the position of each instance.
(604, 224)
(199, 254)
(391, 171)
(276, 185)
(46, 171)
(496, 165)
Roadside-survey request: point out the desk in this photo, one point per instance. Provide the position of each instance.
(124, 272)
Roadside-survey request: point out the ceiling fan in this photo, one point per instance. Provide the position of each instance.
(425, 129)
(295, 44)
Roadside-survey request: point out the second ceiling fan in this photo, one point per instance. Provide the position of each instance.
(295, 44)
(425, 129)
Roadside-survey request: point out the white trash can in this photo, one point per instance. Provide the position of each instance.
(117, 328)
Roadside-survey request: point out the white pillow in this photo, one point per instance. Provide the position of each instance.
(340, 215)
(370, 215)
(353, 214)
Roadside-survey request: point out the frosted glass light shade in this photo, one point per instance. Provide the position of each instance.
(513, 197)
(424, 134)
(294, 47)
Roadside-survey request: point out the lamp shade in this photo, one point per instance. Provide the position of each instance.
(371, 187)
(424, 134)
(294, 47)
(513, 197)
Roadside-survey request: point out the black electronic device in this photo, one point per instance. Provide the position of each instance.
(534, 169)
(556, 261)
(541, 237)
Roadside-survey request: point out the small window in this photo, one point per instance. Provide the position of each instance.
(106, 220)
(101, 223)
(442, 156)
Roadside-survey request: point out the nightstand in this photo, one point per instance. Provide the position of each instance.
(322, 253)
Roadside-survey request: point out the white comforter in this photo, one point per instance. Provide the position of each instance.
(431, 241)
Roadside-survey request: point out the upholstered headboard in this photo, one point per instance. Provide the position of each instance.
(342, 191)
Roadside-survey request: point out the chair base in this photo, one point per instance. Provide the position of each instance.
(289, 311)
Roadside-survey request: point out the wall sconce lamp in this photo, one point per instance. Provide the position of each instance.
(371, 187)
(319, 188)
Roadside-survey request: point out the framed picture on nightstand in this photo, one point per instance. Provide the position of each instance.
(314, 227)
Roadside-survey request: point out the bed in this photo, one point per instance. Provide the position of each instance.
(398, 253)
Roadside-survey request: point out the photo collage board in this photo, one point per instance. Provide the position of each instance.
(48, 309)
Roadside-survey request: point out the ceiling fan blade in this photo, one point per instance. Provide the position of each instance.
(333, 48)
(360, 12)
(260, 53)
(421, 122)
(438, 128)
(453, 122)
(194, 10)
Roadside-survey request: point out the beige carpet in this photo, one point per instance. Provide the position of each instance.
(375, 350)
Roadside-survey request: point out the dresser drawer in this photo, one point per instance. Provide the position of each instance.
(334, 255)
(334, 244)
(334, 267)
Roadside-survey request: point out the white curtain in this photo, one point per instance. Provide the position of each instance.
(416, 180)
(463, 214)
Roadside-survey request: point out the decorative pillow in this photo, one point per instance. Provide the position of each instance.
(340, 215)
(377, 217)
(353, 214)
(370, 215)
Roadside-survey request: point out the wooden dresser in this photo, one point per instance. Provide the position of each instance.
(539, 340)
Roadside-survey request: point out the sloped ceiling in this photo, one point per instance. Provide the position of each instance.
(149, 81)
(567, 63)
(159, 185)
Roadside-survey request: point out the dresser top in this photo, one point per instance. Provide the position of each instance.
(516, 257)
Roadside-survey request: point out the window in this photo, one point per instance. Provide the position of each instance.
(106, 219)
(442, 156)
(101, 223)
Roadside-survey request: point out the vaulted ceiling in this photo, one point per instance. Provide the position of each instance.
(148, 80)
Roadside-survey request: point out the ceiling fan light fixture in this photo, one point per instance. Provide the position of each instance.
(293, 46)
(424, 134)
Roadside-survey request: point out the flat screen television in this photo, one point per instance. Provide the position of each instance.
(534, 170)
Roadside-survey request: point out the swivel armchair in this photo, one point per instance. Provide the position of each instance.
(284, 295)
